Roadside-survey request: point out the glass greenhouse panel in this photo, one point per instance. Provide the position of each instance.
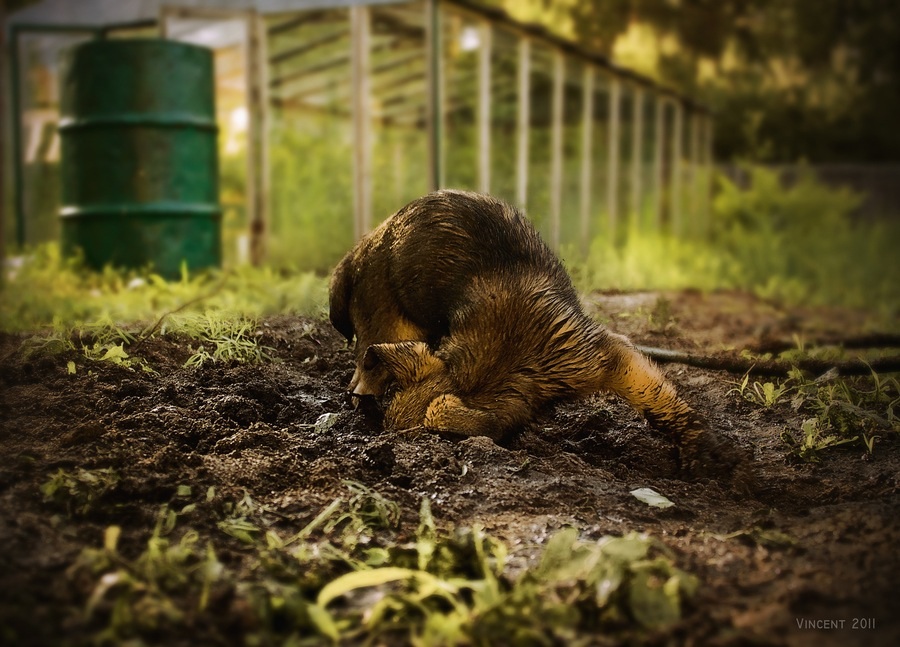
(600, 142)
(572, 144)
(539, 137)
(399, 69)
(461, 40)
(311, 141)
(38, 72)
(504, 113)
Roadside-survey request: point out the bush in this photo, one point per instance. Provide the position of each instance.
(798, 245)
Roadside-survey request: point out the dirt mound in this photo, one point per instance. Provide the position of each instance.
(809, 559)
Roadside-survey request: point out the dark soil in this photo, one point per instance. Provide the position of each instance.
(247, 428)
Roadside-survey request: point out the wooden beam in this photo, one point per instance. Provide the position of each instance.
(523, 122)
(4, 124)
(339, 60)
(403, 85)
(380, 86)
(587, 154)
(360, 105)
(256, 67)
(435, 94)
(301, 19)
(308, 46)
(484, 107)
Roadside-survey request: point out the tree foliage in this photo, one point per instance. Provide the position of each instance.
(788, 79)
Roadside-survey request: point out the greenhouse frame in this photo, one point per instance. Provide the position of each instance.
(334, 114)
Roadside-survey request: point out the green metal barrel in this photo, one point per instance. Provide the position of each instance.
(139, 160)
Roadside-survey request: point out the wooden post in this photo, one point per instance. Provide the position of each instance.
(696, 224)
(556, 144)
(257, 83)
(4, 97)
(361, 102)
(677, 175)
(637, 154)
(710, 168)
(484, 108)
(435, 99)
(524, 122)
(658, 158)
(587, 152)
(613, 147)
(15, 121)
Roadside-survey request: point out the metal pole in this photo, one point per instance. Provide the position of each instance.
(613, 146)
(637, 155)
(484, 108)
(587, 152)
(435, 94)
(556, 144)
(658, 155)
(361, 100)
(524, 114)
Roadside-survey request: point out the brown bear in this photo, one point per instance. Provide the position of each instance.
(457, 303)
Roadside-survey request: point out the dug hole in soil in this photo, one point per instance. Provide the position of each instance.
(249, 428)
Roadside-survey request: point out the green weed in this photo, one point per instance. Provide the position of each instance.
(367, 512)
(764, 394)
(58, 342)
(841, 410)
(814, 438)
(99, 341)
(224, 338)
(145, 595)
(421, 586)
(237, 521)
(79, 490)
(844, 411)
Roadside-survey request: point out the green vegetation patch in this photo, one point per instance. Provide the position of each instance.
(798, 245)
(852, 411)
(79, 490)
(45, 288)
(355, 573)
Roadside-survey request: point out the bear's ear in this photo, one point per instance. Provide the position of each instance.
(340, 290)
(410, 362)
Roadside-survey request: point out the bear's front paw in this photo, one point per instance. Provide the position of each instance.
(447, 413)
(443, 413)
